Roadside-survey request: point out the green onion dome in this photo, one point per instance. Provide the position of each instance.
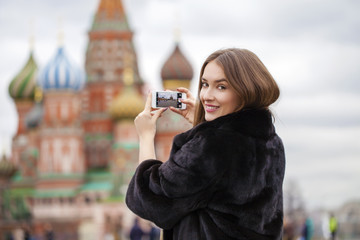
(23, 85)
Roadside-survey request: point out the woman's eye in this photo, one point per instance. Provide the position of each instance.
(204, 84)
(222, 87)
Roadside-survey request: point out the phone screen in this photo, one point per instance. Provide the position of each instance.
(168, 99)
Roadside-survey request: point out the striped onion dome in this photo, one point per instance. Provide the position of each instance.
(7, 169)
(176, 67)
(60, 73)
(23, 85)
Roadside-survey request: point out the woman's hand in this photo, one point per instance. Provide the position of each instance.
(145, 122)
(190, 101)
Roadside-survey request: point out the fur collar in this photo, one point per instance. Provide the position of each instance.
(251, 122)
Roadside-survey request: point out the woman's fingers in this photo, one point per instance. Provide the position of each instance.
(157, 113)
(188, 101)
(185, 90)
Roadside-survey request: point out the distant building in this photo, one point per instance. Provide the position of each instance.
(348, 217)
(76, 146)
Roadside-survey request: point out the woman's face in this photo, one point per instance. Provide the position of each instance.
(217, 96)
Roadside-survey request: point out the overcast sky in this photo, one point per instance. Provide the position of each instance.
(312, 48)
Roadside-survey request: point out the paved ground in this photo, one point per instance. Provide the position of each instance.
(167, 103)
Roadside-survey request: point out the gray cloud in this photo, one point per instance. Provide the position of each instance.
(274, 19)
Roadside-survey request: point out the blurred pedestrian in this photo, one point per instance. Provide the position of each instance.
(333, 225)
(136, 232)
(289, 230)
(49, 232)
(307, 230)
(154, 233)
(29, 233)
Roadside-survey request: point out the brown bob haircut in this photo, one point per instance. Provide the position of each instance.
(247, 75)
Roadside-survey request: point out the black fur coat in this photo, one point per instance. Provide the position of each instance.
(223, 180)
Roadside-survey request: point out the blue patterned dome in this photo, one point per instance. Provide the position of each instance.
(60, 73)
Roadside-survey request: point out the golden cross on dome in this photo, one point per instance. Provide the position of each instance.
(60, 33)
(177, 24)
(31, 38)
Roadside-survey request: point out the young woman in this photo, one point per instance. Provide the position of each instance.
(223, 179)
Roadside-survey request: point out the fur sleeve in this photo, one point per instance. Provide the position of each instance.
(164, 193)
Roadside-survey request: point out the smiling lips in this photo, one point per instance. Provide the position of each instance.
(210, 108)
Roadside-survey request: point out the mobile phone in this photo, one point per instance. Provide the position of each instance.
(163, 99)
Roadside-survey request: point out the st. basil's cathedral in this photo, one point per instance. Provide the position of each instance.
(76, 146)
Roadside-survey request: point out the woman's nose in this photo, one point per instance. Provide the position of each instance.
(209, 94)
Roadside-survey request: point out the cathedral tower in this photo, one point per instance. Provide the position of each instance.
(110, 42)
(61, 134)
(125, 156)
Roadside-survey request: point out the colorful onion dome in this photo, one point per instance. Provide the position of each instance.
(177, 67)
(23, 85)
(7, 169)
(60, 73)
(129, 103)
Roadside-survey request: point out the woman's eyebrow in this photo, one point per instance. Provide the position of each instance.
(221, 80)
(217, 81)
